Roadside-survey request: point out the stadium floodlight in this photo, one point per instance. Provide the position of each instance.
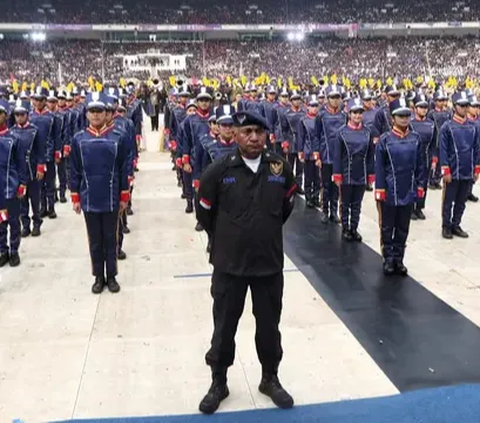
(300, 36)
(38, 36)
(290, 36)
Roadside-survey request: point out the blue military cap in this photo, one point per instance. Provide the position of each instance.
(224, 114)
(21, 106)
(366, 94)
(346, 96)
(295, 95)
(4, 107)
(184, 92)
(204, 92)
(473, 100)
(52, 96)
(247, 118)
(399, 107)
(173, 92)
(271, 90)
(121, 108)
(420, 100)
(191, 103)
(11, 99)
(23, 95)
(112, 92)
(62, 95)
(283, 92)
(40, 93)
(392, 90)
(213, 116)
(355, 104)
(333, 90)
(96, 101)
(461, 98)
(312, 100)
(440, 95)
(411, 95)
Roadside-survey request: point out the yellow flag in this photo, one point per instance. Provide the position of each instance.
(45, 84)
(25, 86)
(98, 86)
(314, 81)
(362, 83)
(389, 81)
(32, 86)
(279, 82)
(334, 79)
(172, 80)
(15, 86)
(371, 83)
(243, 81)
(229, 80)
(122, 82)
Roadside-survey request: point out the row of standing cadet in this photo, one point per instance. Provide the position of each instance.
(41, 129)
(331, 148)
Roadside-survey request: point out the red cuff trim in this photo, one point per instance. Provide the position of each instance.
(186, 159)
(446, 170)
(178, 162)
(292, 189)
(3, 215)
(125, 196)
(272, 137)
(477, 170)
(420, 192)
(316, 156)
(75, 197)
(66, 149)
(166, 131)
(138, 138)
(41, 168)
(434, 159)
(58, 154)
(173, 145)
(285, 144)
(337, 177)
(21, 190)
(380, 195)
(371, 179)
(196, 183)
(301, 154)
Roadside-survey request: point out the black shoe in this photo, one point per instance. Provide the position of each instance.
(14, 260)
(458, 231)
(113, 285)
(216, 394)
(26, 232)
(472, 198)
(356, 236)
(174, 168)
(420, 215)
(316, 202)
(388, 268)
(36, 231)
(300, 191)
(369, 188)
(179, 184)
(189, 208)
(126, 229)
(271, 387)
(199, 227)
(310, 204)
(324, 218)
(97, 287)
(183, 196)
(414, 215)
(129, 211)
(52, 214)
(346, 235)
(43, 213)
(136, 169)
(334, 218)
(401, 269)
(63, 199)
(121, 255)
(4, 259)
(447, 233)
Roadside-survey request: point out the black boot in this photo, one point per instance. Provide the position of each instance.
(14, 259)
(420, 215)
(388, 267)
(52, 214)
(126, 229)
(414, 215)
(121, 255)
(199, 227)
(300, 190)
(346, 235)
(129, 211)
(63, 199)
(401, 269)
(113, 285)
(356, 236)
(183, 196)
(43, 213)
(473, 198)
(271, 387)
(216, 394)
(334, 218)
(4, 259)
(458, 231)
(97, 287)
(36, 231)
(26, 232)
(189, 208)
(324, 218)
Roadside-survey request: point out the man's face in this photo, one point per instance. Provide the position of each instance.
(183, 100)
(401, 121)
(97, 117)
(421, 111)
(226, 131)
(271, 97)
(356, 116)
(3, 118)
(52, 105)
(283, 99)
(62, 102)
(39, 104)
(191, 110)
(69, 103)
(203, 104)
(251, 140)
(368, 104)
(334, 101)
(214, 128)
(461, 110)
(21, 118)
(473, 110)
(296, 103)
(313, 110)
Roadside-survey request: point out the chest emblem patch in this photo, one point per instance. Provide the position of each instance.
(276, 168)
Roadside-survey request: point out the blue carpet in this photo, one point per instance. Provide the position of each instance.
(453, 404)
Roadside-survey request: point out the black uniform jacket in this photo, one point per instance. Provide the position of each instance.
(244, 213)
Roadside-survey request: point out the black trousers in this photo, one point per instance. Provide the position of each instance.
(351, 205)
(47, 187)
(298, 165)
(395, 226)
(312, 180)
(187, 185)
(122, 222)
(329, 191)
(154, 120)
(454, 197)
(229, 294)
(102, 240)
(31, 199)
(11, 245)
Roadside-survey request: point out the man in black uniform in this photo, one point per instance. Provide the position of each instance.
(245, 198)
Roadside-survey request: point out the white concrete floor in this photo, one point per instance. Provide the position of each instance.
(66, 353)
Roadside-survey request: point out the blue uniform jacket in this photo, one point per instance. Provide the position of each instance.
(383, 121)
(134, 112)
(308, 142)
(29, 148)
(126, 126)
(354, 155)
(399, 168)
(67, 131)
(49, 128)
(99, 169)
(194, 128)
(13, 172)
(289, 122)
(459, 149)
(179, 113)
(428, 135)
(327, 125)
(438, 117)
(81, 117)
(369, 121)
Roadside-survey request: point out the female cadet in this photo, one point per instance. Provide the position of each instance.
(400, 172)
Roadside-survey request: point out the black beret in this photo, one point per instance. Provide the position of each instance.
(247, 118)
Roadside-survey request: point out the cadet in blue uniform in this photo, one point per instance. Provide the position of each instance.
(99, 171)
(245, 198)
(309, 152)
(66, 138)
(268, 108)
(399, 174)
(383, 117)
(327, 124)
(428, 136)
(353, 168)
(459, 160)
(13, 180)
(33, 153)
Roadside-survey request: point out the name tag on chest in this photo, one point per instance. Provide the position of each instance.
(229, 180)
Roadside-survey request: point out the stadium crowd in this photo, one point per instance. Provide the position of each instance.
(241, 12)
